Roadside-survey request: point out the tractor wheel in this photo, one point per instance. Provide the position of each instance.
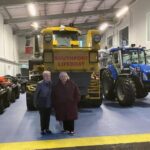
(140, 91)
(7, 99)
(100, 101)
(13, 96)
(30, 108)
(107, 85)
(23, 88)
(125, 92)
(1, 105)
(141, 94)
(17, 93)
(29, 102)
(9, 92)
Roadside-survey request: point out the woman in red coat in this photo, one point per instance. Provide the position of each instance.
(66, 97)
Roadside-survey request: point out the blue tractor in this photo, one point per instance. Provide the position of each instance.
(126, 77)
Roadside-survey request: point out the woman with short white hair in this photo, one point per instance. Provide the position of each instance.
(66, 97)
(43, 101)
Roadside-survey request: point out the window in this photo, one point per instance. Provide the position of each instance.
(110, 41)
(147, 56)
(64, 37)
(82, 40)
(115, 58)
(133, 57)
(148, 27)
(93, 57)
(124, 36)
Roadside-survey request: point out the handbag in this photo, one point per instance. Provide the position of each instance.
(56, 126)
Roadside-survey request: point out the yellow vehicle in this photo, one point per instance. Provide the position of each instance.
(63, 51)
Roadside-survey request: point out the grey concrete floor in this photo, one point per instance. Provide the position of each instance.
(18, 124)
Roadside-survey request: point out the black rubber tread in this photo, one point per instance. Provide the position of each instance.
(13, 96)
(128, 88)
(29, 103)
(9, 91)
(1, 105)
(89, 103)
(30, 108)
(140, 91)
(106, 77)
(17, 93)
(6, 99)
(23, 88)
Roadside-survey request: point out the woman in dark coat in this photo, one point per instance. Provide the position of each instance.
(66, 97)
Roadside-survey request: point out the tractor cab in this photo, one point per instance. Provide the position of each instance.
(127, 59)
(62, 36)
(127, 76)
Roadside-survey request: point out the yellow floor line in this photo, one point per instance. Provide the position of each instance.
(89, 141)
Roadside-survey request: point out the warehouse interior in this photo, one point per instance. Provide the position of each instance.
(103, 28)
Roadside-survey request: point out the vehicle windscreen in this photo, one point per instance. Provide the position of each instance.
(147, 56)
(63, 38)
(133, 57)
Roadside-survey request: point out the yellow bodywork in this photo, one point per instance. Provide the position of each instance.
(63, 51)
(72, 58)
(63, 28)
(69, 60)
(89, 39)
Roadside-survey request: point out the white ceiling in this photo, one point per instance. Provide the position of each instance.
(73, 6)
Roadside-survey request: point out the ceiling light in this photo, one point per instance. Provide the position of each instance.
(32, 9)
(122, 11)
(103, 26)
(35, 25)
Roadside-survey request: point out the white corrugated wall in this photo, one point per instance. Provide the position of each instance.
(8, 50)
(136, 20)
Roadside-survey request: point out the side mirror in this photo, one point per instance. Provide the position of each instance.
(93, 39)
(96, 38)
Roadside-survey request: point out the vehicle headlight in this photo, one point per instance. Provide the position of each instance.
(97, 38)
(145, 77)
(31, 88)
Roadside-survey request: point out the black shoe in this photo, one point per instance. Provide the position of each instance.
(43, 132)
(48, 132)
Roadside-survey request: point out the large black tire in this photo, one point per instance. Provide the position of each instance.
(30, 108)
(6, 100)
(100, 101)
(140, 91)
(13, 96)
(29, 102)
(125, 91)
(143, 93)
(17, 92)
(23, 88)
(107, 85)
(1, 105)
(9, 93)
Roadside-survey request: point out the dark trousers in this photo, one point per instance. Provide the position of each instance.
(44, 118)
(68, 125)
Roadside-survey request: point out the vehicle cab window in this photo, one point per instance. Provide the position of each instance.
(116, 60)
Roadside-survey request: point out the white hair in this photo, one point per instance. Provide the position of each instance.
(64, 74)
(46, 72)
